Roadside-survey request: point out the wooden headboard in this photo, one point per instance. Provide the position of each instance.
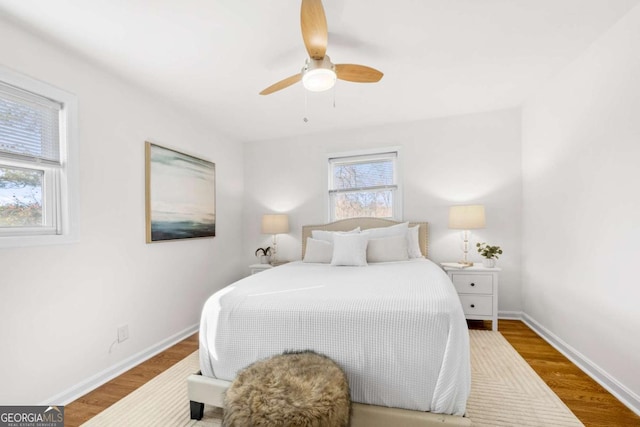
(365, 223)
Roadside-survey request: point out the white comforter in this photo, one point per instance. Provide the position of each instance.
(397, 329)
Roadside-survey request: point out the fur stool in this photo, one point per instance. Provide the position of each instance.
(298, 389)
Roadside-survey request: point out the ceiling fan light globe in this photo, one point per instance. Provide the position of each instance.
(319, 79)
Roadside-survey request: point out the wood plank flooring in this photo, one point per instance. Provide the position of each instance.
(91, 404)
(587, 399)
(591, 403)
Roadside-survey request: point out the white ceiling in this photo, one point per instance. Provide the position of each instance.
(439, 57)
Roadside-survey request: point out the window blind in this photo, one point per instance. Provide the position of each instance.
(360, 173)
(363, 185)
(29, 126)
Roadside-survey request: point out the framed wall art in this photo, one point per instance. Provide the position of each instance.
(180, 195)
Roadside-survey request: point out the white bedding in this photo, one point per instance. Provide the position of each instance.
(397, 329)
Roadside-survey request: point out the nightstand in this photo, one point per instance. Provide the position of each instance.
(477, 288)
(257, 268)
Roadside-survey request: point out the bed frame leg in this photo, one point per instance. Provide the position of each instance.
(197, 410)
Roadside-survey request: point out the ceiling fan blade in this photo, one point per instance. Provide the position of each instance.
(282, 84)
(314, 28)
(357, 73)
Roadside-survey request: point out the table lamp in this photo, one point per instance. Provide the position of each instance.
(275, 224)
(466, 218)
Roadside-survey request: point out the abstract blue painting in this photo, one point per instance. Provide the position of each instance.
(180, 196)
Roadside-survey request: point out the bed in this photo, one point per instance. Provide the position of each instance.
(396, 327)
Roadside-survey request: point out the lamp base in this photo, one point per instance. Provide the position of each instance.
(467, 263)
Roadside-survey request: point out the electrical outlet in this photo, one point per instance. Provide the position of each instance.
(123, 333)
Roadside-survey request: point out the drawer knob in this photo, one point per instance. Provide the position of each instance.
(473, 305)
(473, 284)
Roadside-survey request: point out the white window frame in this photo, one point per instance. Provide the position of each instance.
(362, 155)
(60, 183)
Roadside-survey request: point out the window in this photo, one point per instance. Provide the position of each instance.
(37, 162)
(364, 184)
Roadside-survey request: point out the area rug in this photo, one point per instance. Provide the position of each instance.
(505, 392)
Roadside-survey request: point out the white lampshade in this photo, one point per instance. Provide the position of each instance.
(275, 223)
(466, 217)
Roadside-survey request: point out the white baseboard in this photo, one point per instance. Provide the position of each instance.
(108, 374)
(511, 315)
(622, 393)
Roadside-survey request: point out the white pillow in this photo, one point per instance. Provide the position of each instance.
(327, 236)
(413, 242)
(387, 249)
(318, 251)
(350, 249)
(394, 230)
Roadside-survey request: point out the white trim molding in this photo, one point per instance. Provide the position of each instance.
(67, 180)
(386, 152)
(510, 315)
(108, 374)
(622, 393)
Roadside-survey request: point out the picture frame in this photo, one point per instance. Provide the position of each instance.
(180, 195)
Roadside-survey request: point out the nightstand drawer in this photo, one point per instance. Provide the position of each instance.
(477, 304)
(473, 283)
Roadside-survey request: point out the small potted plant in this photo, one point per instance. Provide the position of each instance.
(264, 254)
(490, 254)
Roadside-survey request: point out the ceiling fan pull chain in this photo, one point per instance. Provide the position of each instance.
(305, 119)
(334, 96)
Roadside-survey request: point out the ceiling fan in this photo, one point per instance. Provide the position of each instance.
(319, 73)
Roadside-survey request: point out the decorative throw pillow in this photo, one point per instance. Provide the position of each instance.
(387, 249)
(394, 230)
(413, 242)
(350, 249)
(327, 236)
(318, 251)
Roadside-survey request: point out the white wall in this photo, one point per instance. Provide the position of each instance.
(456, 160)
(581, 204)
(60, 305)
(574, 198)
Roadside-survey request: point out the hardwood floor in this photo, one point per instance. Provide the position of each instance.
(591, 403)
(587, 399)
(91, 404)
